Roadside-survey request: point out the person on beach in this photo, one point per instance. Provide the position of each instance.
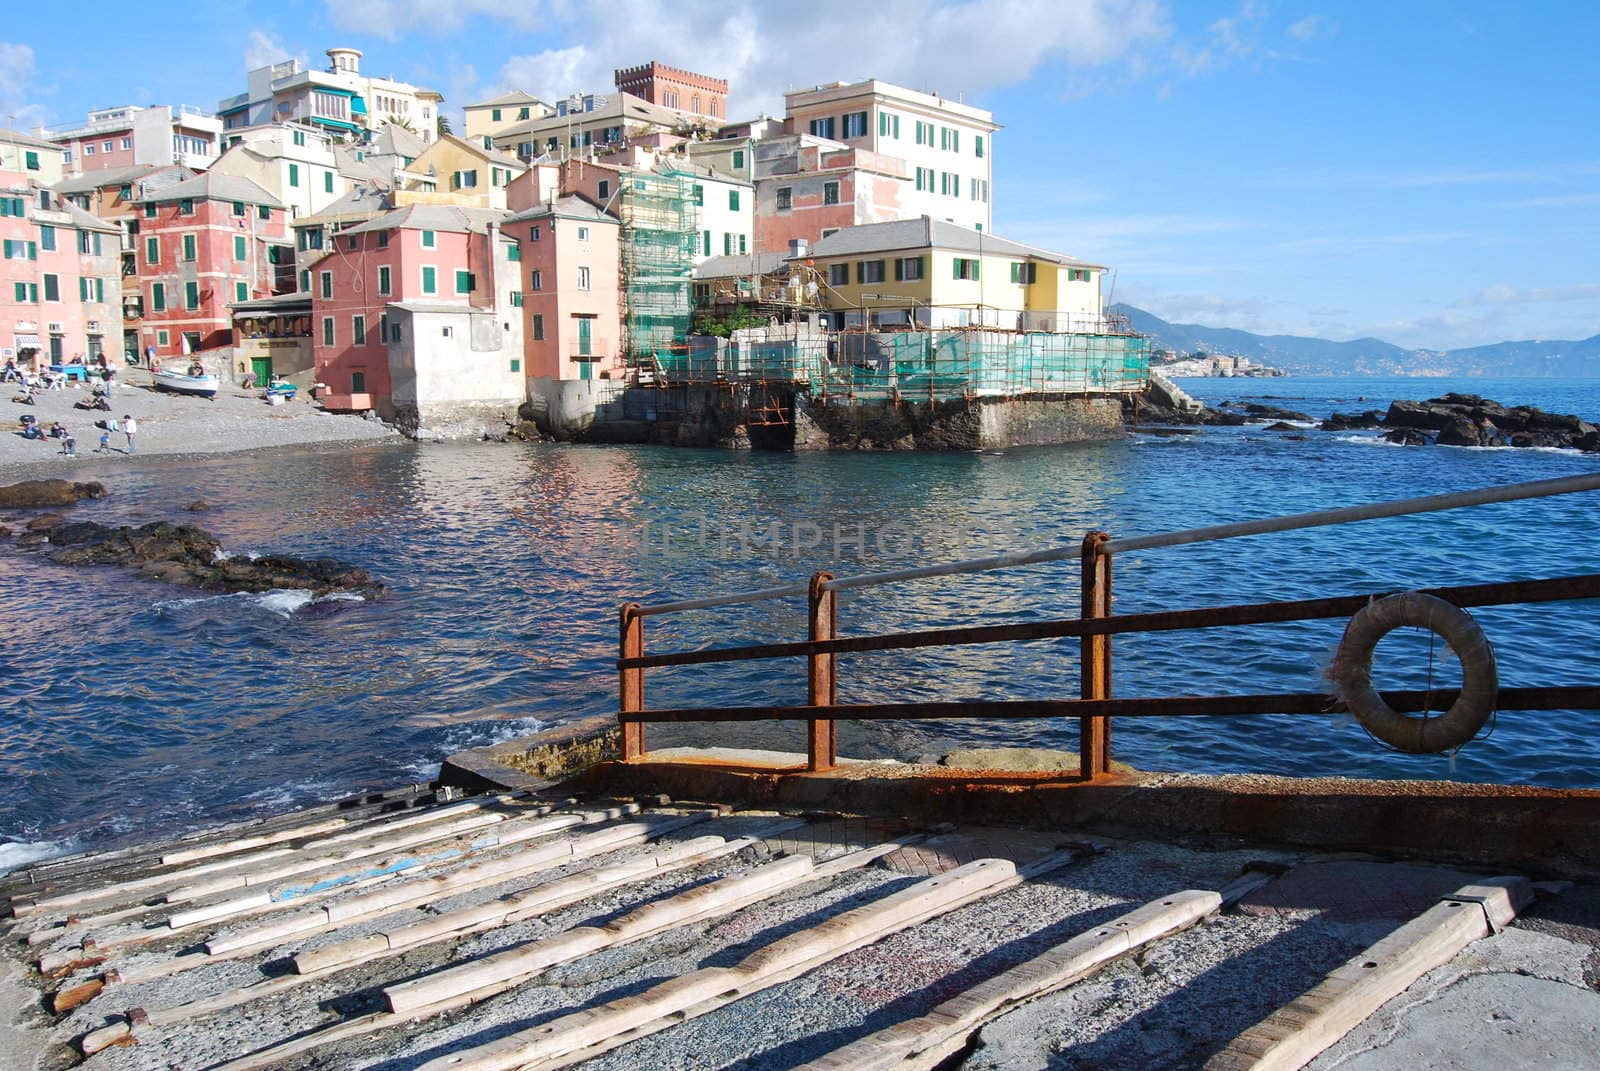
(106, 375)
(12, 373)
(105, 443)
(130, 427)
(58, 430)
(24, 396)
(69, 447)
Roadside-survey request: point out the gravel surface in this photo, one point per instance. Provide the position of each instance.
(168, 424)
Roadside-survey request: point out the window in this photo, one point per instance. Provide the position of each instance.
(383, 239)
(326, 281)
(358, 330)
(869, 271)
(949, 139)
(536, 280)
(89, 243)
(533, 234)
(189, 250)
(383, 280)
(430, 280)
(705, 242)
(522, 113)
(465, 282)
(822, 128)
(855, 125)
(47, 237)
(150, 210)
(980, 189)
(785, 198)
(603, 190)
(538, 327)
(241, 291)
(513, 251)
(162, 338)
(838, 274)
(158, 297)
(186, 207)
(26, 292)
(494, 115)
(830, 193)
(191, 295)
(239, 248)
(305, 282)
(427, 240)
(888, 125)
(1077, 275)
(727, 244)
(32, 159)
(327, 332)
(516, 299)
(738, 159)
(294, 174)
(464, 180)
(977, 144)
(698, 191)
(583, 278)
(327, 182)
(126, 191)
(907, 269)
(1025, 272)
(238, 208)
(583, 234)
(299, 137)
(109, 146)
(742, 243)
(924, 133)
(263, 212)
(733, 200)
(358, 380)
(88, 149)
(950, 184)
(965, 268)
(352, 242)
(516, 362)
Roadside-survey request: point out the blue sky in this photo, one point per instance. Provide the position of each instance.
(1423, 171)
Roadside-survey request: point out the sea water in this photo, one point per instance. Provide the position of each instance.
(131, 709)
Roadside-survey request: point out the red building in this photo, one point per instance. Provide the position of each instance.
(673, 87)
(807, 188)
(202, 245)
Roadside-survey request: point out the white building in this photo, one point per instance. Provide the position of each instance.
(948, 146)
(340, 99)
(128, 135)
(294, 162)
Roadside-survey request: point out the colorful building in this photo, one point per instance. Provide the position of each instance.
(588, 125)
(128, 135)
(43, 162)
(340, 99)
(204, 244)
(947, 146)
(674, 87)
(60, 278)
(806, 188)
(720, 207)
(490, 117)
(571, 306)
(294, 162)
(443, 270)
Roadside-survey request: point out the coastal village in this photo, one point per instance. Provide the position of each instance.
(629, 264)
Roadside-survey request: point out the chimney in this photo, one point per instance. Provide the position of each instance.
(799, 247)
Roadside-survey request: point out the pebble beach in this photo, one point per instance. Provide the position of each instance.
(169, 424)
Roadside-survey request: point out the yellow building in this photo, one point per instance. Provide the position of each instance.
(940, 275)
(471, 170)
(491, 117)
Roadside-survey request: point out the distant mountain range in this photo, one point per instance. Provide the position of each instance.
(1373, 356)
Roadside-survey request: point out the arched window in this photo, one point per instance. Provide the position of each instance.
(694, 104)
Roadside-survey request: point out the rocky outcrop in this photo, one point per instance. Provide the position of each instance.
(46, 494)
(189, 556)
(1469, 420)
(1370, 418)
(1257, 411)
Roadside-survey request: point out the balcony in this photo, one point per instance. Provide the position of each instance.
(587, 349)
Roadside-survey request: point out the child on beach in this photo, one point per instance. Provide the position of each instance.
(69, 447)
(105, 443)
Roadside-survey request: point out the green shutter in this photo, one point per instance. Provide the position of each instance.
(188, 247)
(52, 288)
(430, 282)
(241, 291)
(294, 174)
(464, 282)
(239, 247)
(427, 239)
(152, 250)
(191, 295)
(47, 236)
(158, 297)
(33, 160)
(327, 182)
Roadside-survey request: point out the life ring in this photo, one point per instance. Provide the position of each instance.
(1480, 684)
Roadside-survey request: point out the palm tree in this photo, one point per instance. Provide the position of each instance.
(444, 124)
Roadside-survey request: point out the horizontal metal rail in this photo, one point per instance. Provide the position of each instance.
(1585, 586)
(1565, 697)
(1514, 492)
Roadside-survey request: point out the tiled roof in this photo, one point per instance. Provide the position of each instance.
(927, 233)
(569, 207)
(455, 218)
(217, 188)
(738, 264)
(90, 181)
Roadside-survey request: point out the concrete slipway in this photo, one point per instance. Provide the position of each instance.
(973, 920)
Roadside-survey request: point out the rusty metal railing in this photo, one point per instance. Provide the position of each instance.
(1094, 627)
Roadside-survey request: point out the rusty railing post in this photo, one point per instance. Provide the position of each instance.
(1094, 734)
(822, 689)
(630, 687)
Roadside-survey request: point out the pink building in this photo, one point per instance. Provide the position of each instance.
(129, 135)
(571, 307)
(60, 283)
(202, 245)
(807, 188)
(425, 256)
(674, 87)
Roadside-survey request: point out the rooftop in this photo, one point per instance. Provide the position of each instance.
(214, 187)
(739, 264)
(929, 233)
(514, 98)
(451, 218)
(570, 206)
(90, 181)
(17, 137)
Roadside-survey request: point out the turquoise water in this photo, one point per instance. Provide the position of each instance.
(132, 709)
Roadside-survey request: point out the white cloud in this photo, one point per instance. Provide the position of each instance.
(18, 84)
(1506, 294)
(263, 47)
(1312, 26)
(955, 46)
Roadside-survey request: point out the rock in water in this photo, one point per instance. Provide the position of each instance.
(1372, 418)
(41, 494)
(186, 555)
(199, 505)
(1469, 420)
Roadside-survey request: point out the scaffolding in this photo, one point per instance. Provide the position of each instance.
(659, 233)
(930, 366)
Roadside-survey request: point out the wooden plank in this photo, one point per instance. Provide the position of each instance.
(581, 1035)
(1292, 1036)
(925, 1042)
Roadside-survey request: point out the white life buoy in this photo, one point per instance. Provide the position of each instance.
(1480, 684)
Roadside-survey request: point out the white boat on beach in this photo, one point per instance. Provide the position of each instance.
(179, 383)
